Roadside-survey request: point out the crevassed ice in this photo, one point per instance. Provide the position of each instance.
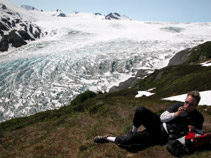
(49, 74)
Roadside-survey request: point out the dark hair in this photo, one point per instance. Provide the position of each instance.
(196, 95)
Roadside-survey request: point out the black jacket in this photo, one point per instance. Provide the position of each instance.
(180, 124)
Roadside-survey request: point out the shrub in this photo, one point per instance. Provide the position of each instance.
(83, 97)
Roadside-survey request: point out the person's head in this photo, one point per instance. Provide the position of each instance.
(192, 101)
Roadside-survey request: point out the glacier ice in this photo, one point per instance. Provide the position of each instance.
(48, 81)
(48, 73)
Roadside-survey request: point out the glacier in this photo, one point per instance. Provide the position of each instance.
(83, 52)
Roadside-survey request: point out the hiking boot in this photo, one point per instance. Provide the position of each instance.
(101, 139)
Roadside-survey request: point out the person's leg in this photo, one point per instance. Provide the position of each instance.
(111, 139)
(104, 139)
(139, 138)
(148, 119)
(144, 117)
(134, 129)
(142, 137)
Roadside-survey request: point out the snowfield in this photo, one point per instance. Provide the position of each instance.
(205, 98)
(84, 51)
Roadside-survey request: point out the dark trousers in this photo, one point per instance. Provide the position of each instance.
(154, 132)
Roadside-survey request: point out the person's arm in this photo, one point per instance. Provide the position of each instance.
(170, 114)
(197, 128)
(180, 112)
(194, 130)
(167, 116)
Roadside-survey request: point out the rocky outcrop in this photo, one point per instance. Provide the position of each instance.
(180, 57)
(197, 54)
(14, 39)
(113, 16)
(28, 7)
(116, 16)
(59, 13)
(97, 14)
(14, 30)
(131, 81)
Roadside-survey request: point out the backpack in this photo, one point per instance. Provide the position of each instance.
(188, 144)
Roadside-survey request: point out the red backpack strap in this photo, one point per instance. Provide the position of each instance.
(190, 136)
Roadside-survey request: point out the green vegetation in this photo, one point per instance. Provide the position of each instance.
(175, 80)
(200, 53)
(69, 131)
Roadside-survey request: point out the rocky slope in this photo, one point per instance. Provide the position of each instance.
(191, 55)
(16, 30)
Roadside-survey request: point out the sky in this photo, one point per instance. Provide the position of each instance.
(142, 10)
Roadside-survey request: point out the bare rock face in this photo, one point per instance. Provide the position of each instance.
(113, 16)
(15, 30)
(180, 58)
(192, 55)
(131, 81)
(116, 16)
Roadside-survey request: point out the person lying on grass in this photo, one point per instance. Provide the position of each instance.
(173, 123)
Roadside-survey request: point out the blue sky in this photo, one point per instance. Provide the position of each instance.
(143, 10)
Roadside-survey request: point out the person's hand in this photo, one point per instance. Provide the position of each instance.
(180, 111)
(192, 129)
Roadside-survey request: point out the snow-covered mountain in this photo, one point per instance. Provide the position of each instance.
(85, 51)
(116, 16)
(16, 27)
(59, 13)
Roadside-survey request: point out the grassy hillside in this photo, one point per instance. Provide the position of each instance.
(69, 131)
(200, 53)
(174, 80)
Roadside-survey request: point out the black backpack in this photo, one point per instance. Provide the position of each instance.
(188, 144)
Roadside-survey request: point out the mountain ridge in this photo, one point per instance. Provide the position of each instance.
(17, 31)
